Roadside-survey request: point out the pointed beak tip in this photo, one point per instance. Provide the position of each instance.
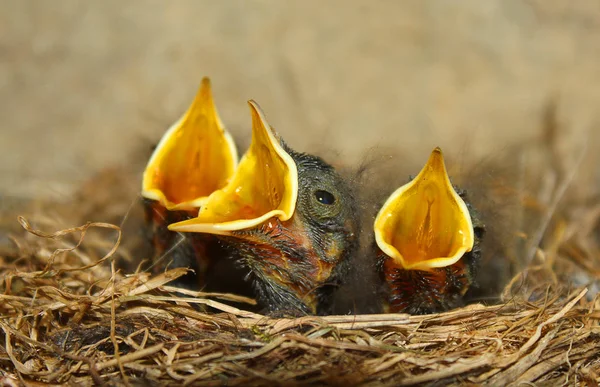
(255, 107)
(258, 116)
(437, 157)
(261, 124)
(182, 226)
(204, 95)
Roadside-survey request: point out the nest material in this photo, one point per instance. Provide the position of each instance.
(70, 317)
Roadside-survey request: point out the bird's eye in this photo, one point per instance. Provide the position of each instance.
(324, 197)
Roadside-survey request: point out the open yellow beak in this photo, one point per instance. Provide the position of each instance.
(425, 224)
(265, 185)
(195, 157)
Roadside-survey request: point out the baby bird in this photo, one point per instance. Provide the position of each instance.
(428, 240)
(288, 217)
(195, 157)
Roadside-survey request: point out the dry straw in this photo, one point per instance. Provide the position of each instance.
(69, 317)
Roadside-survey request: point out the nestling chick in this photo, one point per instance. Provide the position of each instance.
(195, 157)
(286, 216)
(428, 242)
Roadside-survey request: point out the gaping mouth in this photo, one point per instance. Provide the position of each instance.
(425, 224)
(264, 186)
(195, 157)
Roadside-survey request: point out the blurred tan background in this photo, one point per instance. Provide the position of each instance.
(85, 85)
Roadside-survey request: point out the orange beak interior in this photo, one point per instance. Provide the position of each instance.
(425, 224)
(195, 157)
(265, 185)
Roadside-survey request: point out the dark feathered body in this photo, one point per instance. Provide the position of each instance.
(204, 254)
(169, 251)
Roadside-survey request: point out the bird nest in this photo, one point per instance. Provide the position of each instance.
(70, 316)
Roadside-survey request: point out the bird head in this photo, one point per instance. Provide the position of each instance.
(425, 234)
(288, 216)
